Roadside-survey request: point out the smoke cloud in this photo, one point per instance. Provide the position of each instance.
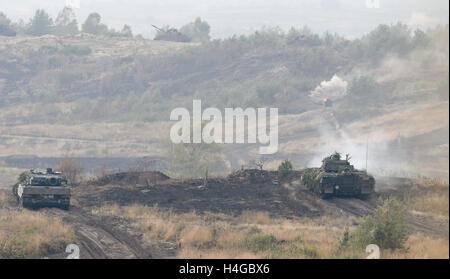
(335, 88)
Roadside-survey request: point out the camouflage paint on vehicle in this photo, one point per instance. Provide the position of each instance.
(338, 177)
(39, 189)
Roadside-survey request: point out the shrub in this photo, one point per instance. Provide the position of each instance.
(386, 227)
(256, 241)
(285, 168)
(344, 242)
(363, 91)
(197, 31)
(93, 25)
(260, 242)
(70, 168)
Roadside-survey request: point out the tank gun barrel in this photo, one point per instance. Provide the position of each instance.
(157, 28)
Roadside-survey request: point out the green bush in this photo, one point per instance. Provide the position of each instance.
(285, 168)
(386, 227)
(197, 31)
(364, 91)
(344, 242)
(256, 242)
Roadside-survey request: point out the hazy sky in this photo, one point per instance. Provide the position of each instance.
(350, 18)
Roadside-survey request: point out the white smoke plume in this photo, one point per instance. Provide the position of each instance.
(335, 88)
(361, 146)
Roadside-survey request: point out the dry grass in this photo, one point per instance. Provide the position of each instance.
(230, 253)
(28, 234)
(431, 182)
(8, 176)
(434, 205)
(229, 238)
(5, 199)
(259, 217)
(256, 235)
(421, 247)
(197, 236)
(432, 200)
(250, 235)
(155, 224)
(118, 139)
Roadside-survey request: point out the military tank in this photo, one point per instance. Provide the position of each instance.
(337, 177)
(170, 34)
(42, 189)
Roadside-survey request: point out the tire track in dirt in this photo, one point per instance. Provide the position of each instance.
(354, 206)
(98, 238)
(361, 208)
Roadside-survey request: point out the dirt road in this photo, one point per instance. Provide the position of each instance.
(97, 237)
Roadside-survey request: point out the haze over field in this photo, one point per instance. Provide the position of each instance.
(229, 17)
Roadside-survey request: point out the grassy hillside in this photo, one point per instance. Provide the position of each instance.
(100, 96)
(87, 78)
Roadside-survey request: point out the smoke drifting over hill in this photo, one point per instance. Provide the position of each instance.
(334, 88)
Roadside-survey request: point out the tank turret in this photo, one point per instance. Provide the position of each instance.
(170, 34)
(43, 188)
(337, 177)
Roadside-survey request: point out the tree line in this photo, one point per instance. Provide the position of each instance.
(66, 24)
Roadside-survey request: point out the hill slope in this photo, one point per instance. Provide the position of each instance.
(111, 97)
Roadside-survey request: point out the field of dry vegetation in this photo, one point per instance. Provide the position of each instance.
(433, 201)
(29, 234)
(249, 234)
(260, 235)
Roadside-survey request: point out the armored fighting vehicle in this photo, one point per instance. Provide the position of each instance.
(40, 189)
(338, 177)
(170, 34)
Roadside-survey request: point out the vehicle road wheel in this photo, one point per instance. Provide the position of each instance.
(23, 203)
(323, 195)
